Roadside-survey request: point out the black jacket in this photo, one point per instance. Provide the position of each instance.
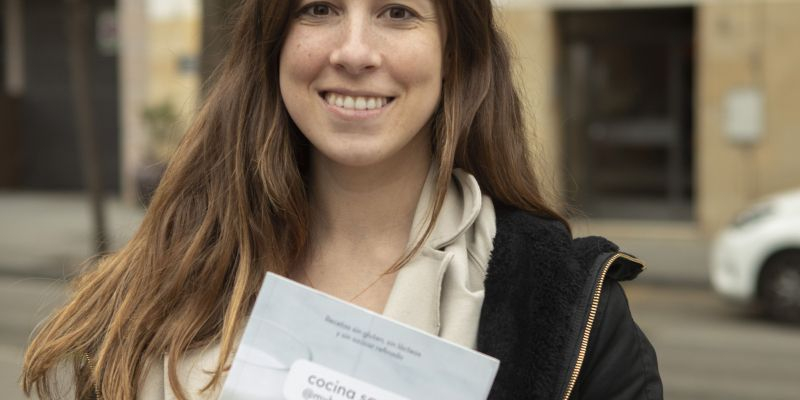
(556, 317)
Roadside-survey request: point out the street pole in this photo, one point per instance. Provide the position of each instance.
(78, 14)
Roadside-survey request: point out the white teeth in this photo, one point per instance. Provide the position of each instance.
(361, 103)
(355, 103)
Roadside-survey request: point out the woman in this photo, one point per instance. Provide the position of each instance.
(373, 150)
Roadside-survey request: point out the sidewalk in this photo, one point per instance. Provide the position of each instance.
(49, 234)
(675, 253)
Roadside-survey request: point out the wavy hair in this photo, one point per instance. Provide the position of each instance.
(233, 205)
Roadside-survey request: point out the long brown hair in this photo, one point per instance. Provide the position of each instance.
(233, 205)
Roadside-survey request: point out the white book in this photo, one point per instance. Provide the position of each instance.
(302, 344)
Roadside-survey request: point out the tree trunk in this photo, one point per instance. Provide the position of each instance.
(78, 39)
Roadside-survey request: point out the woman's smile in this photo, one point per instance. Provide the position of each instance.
(352, 106)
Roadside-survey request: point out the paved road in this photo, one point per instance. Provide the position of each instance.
(50, 234)
(707, 349)
(25, 301)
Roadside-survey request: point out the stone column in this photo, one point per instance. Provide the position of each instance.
(730, 57)
(133, 77)
(530, 29)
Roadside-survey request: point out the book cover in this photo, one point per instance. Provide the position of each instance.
(302, 344)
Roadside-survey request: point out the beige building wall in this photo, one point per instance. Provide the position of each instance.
(779, 162)
(748, 44)
(150, 76)
(171, 39)
(729, 57)
(531, 34)
(133, 73)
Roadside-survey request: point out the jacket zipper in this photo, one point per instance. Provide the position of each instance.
(590, 320)
(89, 362)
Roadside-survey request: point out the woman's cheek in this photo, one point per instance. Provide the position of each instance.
(419, 55)
(305, 51)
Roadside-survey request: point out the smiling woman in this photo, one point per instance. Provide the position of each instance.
(374, 150)
(362, 79)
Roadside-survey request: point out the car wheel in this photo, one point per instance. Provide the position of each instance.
(780, 286)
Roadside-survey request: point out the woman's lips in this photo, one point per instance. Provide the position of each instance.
(355, 106)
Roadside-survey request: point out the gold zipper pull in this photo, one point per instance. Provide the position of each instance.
(90, 364)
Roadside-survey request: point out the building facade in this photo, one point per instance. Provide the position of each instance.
(662, 110)
(647, 111)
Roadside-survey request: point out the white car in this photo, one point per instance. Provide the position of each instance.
(757, 258)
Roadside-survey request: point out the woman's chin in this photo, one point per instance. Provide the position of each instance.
(348, 156)
(355, 161)
(376, 154)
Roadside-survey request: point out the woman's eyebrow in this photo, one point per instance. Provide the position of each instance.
(429, 9)
(428, 5)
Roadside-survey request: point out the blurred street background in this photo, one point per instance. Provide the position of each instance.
(659, 121)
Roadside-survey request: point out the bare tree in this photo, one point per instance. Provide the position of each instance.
(78, 19)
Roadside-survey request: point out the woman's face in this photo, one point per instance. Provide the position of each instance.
(361, 78)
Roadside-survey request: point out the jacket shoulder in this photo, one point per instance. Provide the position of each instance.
(540, 281)
(533, 284)
(522, 240)
(516, 222)
(621, 362)
(520, 231)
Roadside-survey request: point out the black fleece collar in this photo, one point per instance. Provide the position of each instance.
(537, 292)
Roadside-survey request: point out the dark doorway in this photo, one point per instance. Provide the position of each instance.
(50, 152)
(627, 82)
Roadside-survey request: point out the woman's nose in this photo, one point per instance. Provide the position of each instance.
(356, 51)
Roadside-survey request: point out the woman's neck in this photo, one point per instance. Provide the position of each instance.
(361, 222)
(365, 205)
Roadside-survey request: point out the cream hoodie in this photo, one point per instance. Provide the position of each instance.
(440, 291)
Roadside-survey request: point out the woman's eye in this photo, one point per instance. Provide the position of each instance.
(317, 10)
(399, 13)
(320, 10)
